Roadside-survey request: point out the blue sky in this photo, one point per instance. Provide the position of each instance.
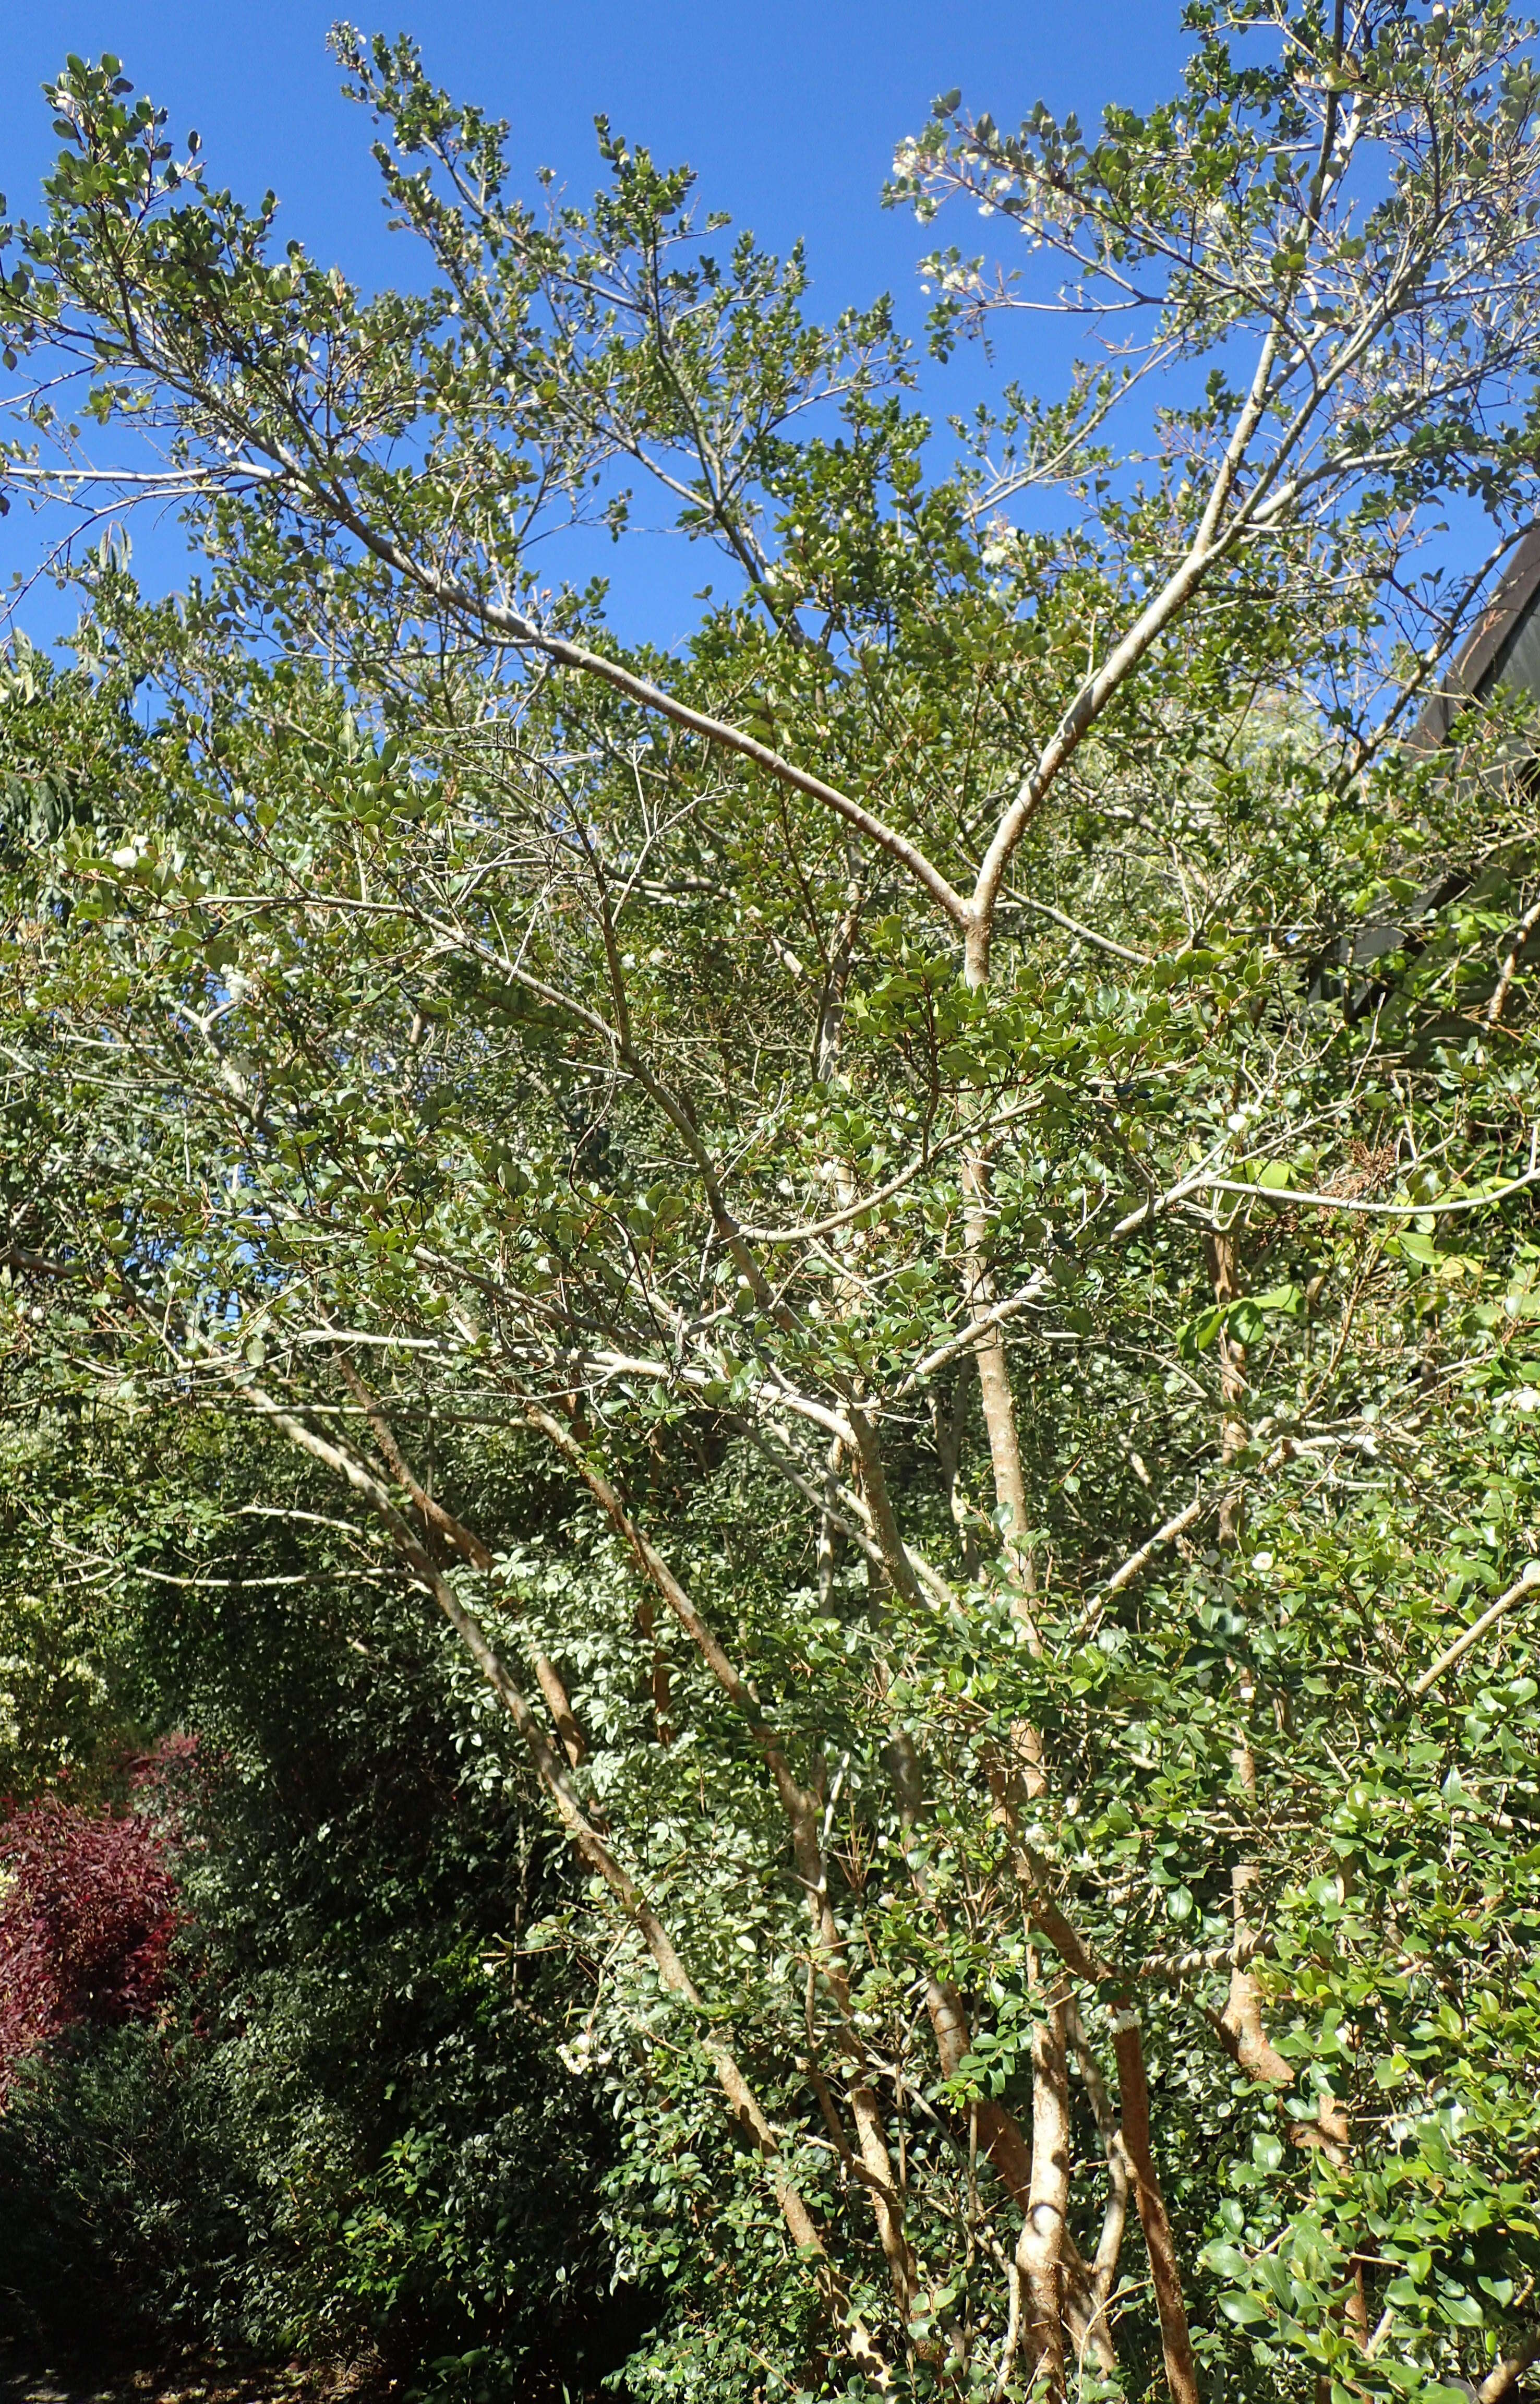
(789, 112)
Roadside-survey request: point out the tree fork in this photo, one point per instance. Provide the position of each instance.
(1045, 1915)
(1001, 2135)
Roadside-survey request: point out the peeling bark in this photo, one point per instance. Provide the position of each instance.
(1048, 1919)
(1240, 2021)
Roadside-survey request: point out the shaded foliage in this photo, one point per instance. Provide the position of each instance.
(88, 1910)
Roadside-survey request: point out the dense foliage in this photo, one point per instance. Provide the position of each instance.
(343, 2127)
(87, 1914)
(915, 1225)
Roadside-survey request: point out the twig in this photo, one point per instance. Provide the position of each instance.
(1472, 1635)
(1289, 1196)
(1074, 927)
(1165, 1535)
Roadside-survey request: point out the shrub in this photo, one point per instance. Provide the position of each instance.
(88, 1910)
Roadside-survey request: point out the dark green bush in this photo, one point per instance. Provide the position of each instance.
(349, 2130)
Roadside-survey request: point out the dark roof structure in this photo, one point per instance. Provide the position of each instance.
(1501, 651)
(1500, 654)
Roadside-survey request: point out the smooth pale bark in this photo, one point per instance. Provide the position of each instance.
(994, 1379)
(1040, 2247)
(1085, 2291)
(828, 1519)
(994, 1373)
(973, 917)
(1045, 1915)
(1516, 945)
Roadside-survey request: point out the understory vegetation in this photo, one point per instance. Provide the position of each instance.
(323, 2114)
(771, 1403)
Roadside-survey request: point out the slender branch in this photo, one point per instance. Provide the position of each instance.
(1134, 2096)
(741, 2098)
(1474, 1633)
(470, 1547)
(525, 635)
(1119, 2170)
(881, 1193)
(802, 1819)
(1516, 942)
(1503, 2378)
(1206, 550)
(1185, 1518)
(1287, 1195)
(975, 1332)
(1074, 927)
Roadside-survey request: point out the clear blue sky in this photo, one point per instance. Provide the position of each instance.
(789, 112)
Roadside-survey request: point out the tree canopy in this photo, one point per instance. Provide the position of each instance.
(914, 1221)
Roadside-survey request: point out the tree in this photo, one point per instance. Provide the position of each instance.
(891, 1110)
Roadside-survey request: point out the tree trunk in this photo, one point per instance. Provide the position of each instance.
(1134, 2097)
(1040, 2248)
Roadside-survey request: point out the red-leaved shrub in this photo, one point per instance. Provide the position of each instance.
(88, 1910)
